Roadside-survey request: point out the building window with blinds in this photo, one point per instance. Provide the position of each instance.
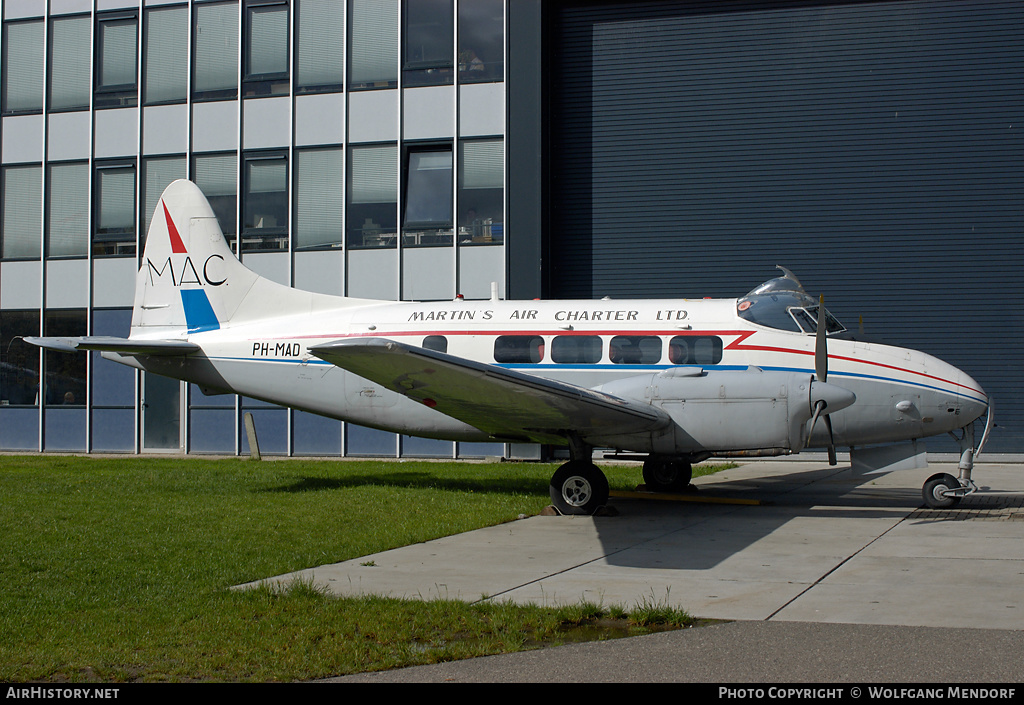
(428, 197)
(165, 78)
(116, 60)
(215, 52)
(373, 43)
(481, 192)
(21, 203)
(266, 49)
(265, 201)
(319, 194)
(114, 210)
(22, 58)
(216, 175)
(70, 45)
(67, 210)
(319, 46)
(372, 196)
(428, 43)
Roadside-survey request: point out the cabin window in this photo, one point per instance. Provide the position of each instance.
(635, 350)
(519, 349)
(576, 349)
(695, 350)
(437, 343)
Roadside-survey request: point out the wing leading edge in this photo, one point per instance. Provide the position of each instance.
(124, 346)
(506, 404)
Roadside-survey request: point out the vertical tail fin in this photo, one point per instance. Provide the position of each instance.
(191, 282)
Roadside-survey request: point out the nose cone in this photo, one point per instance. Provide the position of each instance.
(835, 397)
(974, 402)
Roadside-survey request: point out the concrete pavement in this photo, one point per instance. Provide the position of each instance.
(824, 546)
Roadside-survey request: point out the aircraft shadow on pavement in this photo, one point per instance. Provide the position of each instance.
(699, 536)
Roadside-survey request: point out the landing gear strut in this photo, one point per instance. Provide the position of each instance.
(943, 491)
(578, 487)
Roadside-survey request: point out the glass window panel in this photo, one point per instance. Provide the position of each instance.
(319, 185)
(64, 372)
(22, 212)
(481, 41)
(315, 435)
(113, 430)
(429, 189)
(373, 196)
(64, 428)
(19, 429)
(519, 349)
(70, 44)
(23, 67)
(481, 191)
(268, 40)
(212, 431)
(216, 51)
(413, 446)
(635, 350)
(114, 231)
(438, 343)
(374, 43)
(19, 361)
(216, 176)
(576, 349)
(67, 218)
(166, 62)
(157, 174)
(320, 40)
(428, 43)
(369, 441)
(266, 203)
(113, 384)
(116, 53)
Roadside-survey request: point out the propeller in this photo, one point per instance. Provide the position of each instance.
(821, 375)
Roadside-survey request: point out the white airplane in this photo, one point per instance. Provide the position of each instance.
(674, 381)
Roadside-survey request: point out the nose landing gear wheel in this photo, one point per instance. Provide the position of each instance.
(578, 487)
(667, 474)
(935, 491)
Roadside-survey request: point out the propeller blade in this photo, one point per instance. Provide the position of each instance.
(821, 345)
(814, 419)
(831, 442)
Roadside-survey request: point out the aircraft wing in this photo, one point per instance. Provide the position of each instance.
(506, 404)
(125, 346)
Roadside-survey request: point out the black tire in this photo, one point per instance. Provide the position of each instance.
(667, 474)
(578, 487)
(933, 490)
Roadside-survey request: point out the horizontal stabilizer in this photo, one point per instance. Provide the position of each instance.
(504, 403)
(125, 346)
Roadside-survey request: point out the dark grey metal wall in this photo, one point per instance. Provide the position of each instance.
(875, 148)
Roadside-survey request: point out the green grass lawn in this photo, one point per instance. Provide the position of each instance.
(118, 569)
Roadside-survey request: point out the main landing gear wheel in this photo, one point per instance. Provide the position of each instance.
(578, 487)
(667, 474)
(935, 491)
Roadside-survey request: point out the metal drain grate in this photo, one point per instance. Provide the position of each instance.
(977, 508)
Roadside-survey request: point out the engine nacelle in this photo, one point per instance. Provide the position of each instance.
(730, 410)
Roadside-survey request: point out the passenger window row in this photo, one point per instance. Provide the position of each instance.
(589, 349)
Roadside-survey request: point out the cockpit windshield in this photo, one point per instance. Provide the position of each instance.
(783, 304)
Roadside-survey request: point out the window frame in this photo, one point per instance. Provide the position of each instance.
(269, 83)
(258, 235)
(428, 70)
(5, 64)
(99, 242)
(212, 94)
(419, 192)
(117, 95)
